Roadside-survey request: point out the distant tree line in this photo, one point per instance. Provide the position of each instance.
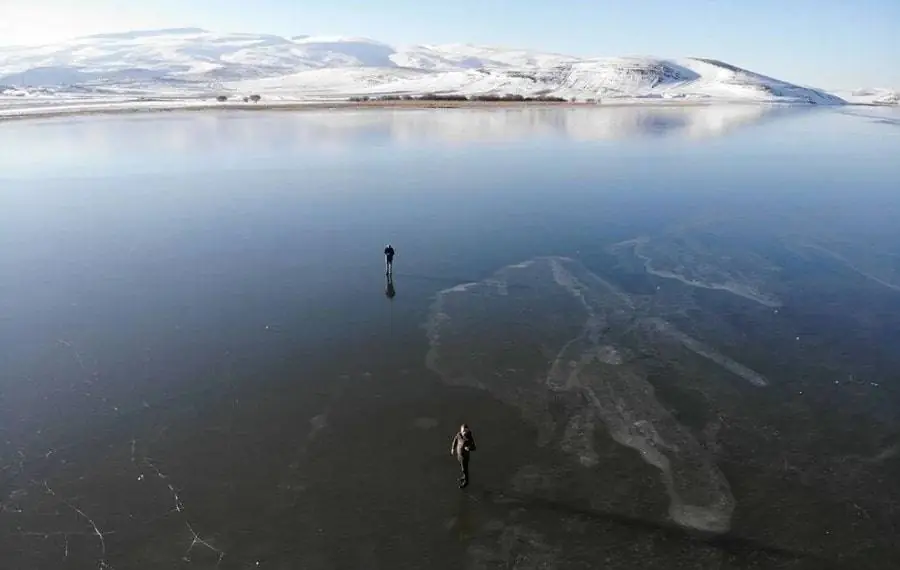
(509, 97)
(248, 99)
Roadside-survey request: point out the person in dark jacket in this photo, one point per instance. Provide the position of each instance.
(389, 258)
(463, 443)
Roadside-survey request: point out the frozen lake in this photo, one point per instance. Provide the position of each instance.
(673, 331)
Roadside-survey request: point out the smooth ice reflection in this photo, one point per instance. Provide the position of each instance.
(589, 344)
(211, 136)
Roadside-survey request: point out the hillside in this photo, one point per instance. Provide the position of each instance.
(872, 96)
(190, 63)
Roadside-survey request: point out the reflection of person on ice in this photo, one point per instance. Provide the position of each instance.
(463, 444)
(389, 290)
(389, 258)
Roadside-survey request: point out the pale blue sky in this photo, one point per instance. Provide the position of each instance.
(826, 43)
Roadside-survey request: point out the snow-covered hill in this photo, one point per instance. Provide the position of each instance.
(872, 96)
(191, 62)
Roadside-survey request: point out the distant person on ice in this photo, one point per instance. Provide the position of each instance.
(389, 258)
(463, 443)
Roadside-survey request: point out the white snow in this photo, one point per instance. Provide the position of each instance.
(872, 96)
(190, 64)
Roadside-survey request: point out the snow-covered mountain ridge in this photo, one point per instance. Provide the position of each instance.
(192, 62)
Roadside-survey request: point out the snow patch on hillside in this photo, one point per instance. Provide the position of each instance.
(872, 96)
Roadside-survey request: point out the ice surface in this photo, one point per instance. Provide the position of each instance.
(869, 261)
(683, 256)
(547, 334)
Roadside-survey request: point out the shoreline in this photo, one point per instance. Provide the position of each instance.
(162, 106)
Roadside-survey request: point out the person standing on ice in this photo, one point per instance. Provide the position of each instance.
(463, 443)
(389, 259)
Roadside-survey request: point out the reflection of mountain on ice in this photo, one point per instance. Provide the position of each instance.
(191, 62)
(583, 124)
(510, 124)
(283, 131)
(549, 333)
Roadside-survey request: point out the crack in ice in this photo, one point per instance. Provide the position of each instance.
(197, 540)
(102, 565)
(727, 283)
(134, 460)
(849, 264)
(609, 386)
(179, 507)
(75, 352)
(64, 534)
